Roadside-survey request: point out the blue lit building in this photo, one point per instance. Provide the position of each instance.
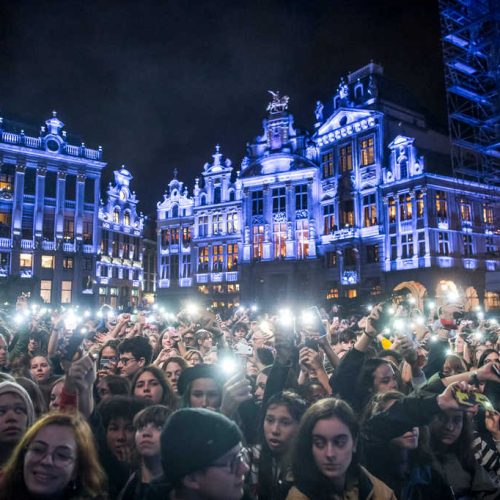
(119, 270)
(360, 205)
(49, 190)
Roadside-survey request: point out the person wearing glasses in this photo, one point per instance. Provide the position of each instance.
(134, 353)
(202, 456)
(56, 458)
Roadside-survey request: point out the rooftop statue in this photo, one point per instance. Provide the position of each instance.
(278, 104)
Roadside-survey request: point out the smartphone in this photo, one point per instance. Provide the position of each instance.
(105, 363)
(312, 319)
(242, 349)
(72, 346)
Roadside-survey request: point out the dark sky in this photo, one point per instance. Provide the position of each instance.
(159, 83)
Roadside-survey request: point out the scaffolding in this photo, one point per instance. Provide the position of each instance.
(471, 45)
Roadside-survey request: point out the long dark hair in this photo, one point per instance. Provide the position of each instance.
(168, 397)
(307, 476)
(296, 406)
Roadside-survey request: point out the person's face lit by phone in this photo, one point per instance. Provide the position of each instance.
(447, 426)
(205, 393)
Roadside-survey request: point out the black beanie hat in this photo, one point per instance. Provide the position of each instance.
(192, 439)
(198, 371)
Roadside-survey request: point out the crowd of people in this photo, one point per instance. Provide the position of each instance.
(392, 402)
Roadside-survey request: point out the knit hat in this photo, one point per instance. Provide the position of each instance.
(198, 371)
(192, 439)
(14, 387)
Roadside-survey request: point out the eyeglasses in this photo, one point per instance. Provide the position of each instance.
(233, 464)
(60, 456)
(125, 361)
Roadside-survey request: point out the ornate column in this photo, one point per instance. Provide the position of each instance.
(41, 171)
(60, 202)
(17, 212)
(80, 196)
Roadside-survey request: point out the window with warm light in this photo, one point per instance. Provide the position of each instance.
(258, 242)
(327, 164)
(405, 207)
(345, 156)
(46, 290)
(465, 212)
(367, 147)
(392, 209)
(116, 216)
(488, 217)
(441, 205)
(329, 219)
(47, 261)
(25, 260)
(420, 204)
(302, 235)
(232, 256)
(126, 218)
(203, 259)
(279, 239)
(66, 292)
(217, 258)
(369, 210)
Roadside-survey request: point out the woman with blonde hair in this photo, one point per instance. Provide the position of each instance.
(56, 458)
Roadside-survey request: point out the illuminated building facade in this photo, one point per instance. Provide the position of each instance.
(119, 271)
(49, 194)
(355, 208)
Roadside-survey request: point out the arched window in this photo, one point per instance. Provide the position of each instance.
(116, 216)
(175, 211)
(126, 218)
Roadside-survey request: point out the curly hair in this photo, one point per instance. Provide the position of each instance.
(91, 477)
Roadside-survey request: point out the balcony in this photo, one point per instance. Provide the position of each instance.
(164, 283)
(185, 282)
(68, 247)
(27, 244)
(232, 276)
(5, 243)
(341, 234)
(88, 249)
(48, 245)
(202, 278)
(370, 231)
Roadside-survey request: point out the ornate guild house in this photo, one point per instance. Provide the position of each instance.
(360, 205)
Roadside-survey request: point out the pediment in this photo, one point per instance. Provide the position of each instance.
(400, 140)
(343, 117)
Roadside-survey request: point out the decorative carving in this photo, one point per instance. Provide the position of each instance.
(81, 177)
(61, 174)
(21, 168)
(278, 104)
(372, 87)
(41, 170)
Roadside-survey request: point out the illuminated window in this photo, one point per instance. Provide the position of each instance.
(367, 151)
(352, 293)
(465, 212)
(468, 248)
(279, 239)
(48, 261)
(441, 205)
(126, 218)
(327, 164)
(217, 258)
(186, 236)
(369, 210)
(333, 293)
(329, 219)
(406, 246)
(46, 290)
(392, 210)
(66, 292)
(217, 224)
(258, 242)
(86, 230)
(492, 300)
(488, 217)
(372, 254)
(232, 256)
(279, 200)
(302, 235)
(174, 236)
(420, 204)
(203, 289)
(116, 216)
(405, 207)
(348, 213)
(69, 228)
(257, 203)
(202, 259)
(5, 223)
(443, 243)
(4, 261)
(203, 225)
(68, 263)
(301, 197)
(345, 154)
(6, 182)
(232, 223)
(25, 260)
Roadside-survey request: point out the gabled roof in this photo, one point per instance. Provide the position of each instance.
(344, 116)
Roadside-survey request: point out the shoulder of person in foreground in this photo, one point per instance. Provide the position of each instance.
(296, 494)
(379, 490)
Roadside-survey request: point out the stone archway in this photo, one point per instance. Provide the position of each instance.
(418, 292)
(471, 299)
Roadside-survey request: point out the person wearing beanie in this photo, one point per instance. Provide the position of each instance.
(16, 415)
(202, 456)
(200, 386)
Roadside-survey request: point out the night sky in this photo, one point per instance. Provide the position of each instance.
(159, 83)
